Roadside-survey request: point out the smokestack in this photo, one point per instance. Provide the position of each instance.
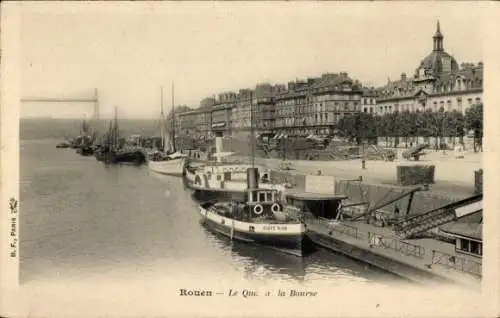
(252, 178)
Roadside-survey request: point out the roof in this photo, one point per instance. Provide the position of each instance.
(470, 230)
(330, 81)
(435, 60)
(308, 196)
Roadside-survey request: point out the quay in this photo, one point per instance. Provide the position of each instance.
(423, 261)
(449, 250)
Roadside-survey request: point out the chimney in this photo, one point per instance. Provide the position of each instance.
(252, 178)
(403, 77)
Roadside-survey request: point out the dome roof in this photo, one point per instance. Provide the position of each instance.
(439, 62)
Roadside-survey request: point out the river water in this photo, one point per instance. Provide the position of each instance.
(81, 219)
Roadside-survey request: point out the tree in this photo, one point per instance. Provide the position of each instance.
(454, 125)
(474, 120)
(405, 125)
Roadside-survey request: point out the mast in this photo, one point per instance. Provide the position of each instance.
(84, 128)
(173, 120)
(109, 135)
(115, 127)
(162, 121)
(252, 136)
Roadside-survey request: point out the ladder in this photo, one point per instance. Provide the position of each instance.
(442, 215)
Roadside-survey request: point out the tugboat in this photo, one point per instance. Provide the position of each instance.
(259, 220)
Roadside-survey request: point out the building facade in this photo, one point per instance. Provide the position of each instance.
(330, 98)
(195, 123)
(369, 100)
(263, 106)
(241, 111)
(289, 109)
(438, 82)
(315, 106)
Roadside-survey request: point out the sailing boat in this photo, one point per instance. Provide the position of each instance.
(112, 152)
(86, 147)
(83, 139)
(173, 162)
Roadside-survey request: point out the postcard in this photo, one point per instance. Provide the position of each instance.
(260, 159)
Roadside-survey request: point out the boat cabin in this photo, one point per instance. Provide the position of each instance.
(316, 205)
(262, 196)
(216, 176)
(263, 202)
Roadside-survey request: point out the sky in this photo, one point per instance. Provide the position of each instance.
(128, 50)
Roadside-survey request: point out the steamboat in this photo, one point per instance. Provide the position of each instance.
(258, 219)
(224, 180)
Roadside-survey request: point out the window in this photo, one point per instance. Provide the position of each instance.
(262, 196)
(469, 246)
(254, 197)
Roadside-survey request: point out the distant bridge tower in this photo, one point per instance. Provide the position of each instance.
(95, 114)
(93, 100)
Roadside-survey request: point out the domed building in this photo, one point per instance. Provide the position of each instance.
(438, 82)
(438, 61)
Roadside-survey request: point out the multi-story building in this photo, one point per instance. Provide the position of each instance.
(369, 100)
(263, 108)
(187, 123)
(180, 123)
(241, 112)
(222, 113)
(315, 106)
(195, 123)
(330, 98)
(289, 109)
(438, 82)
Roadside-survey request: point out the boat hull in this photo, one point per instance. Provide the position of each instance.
(85, 151)
(287, 238)
(174, 167)
(217, 194)
(132, 157)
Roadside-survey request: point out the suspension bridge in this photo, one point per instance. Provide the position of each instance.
(92, 100)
